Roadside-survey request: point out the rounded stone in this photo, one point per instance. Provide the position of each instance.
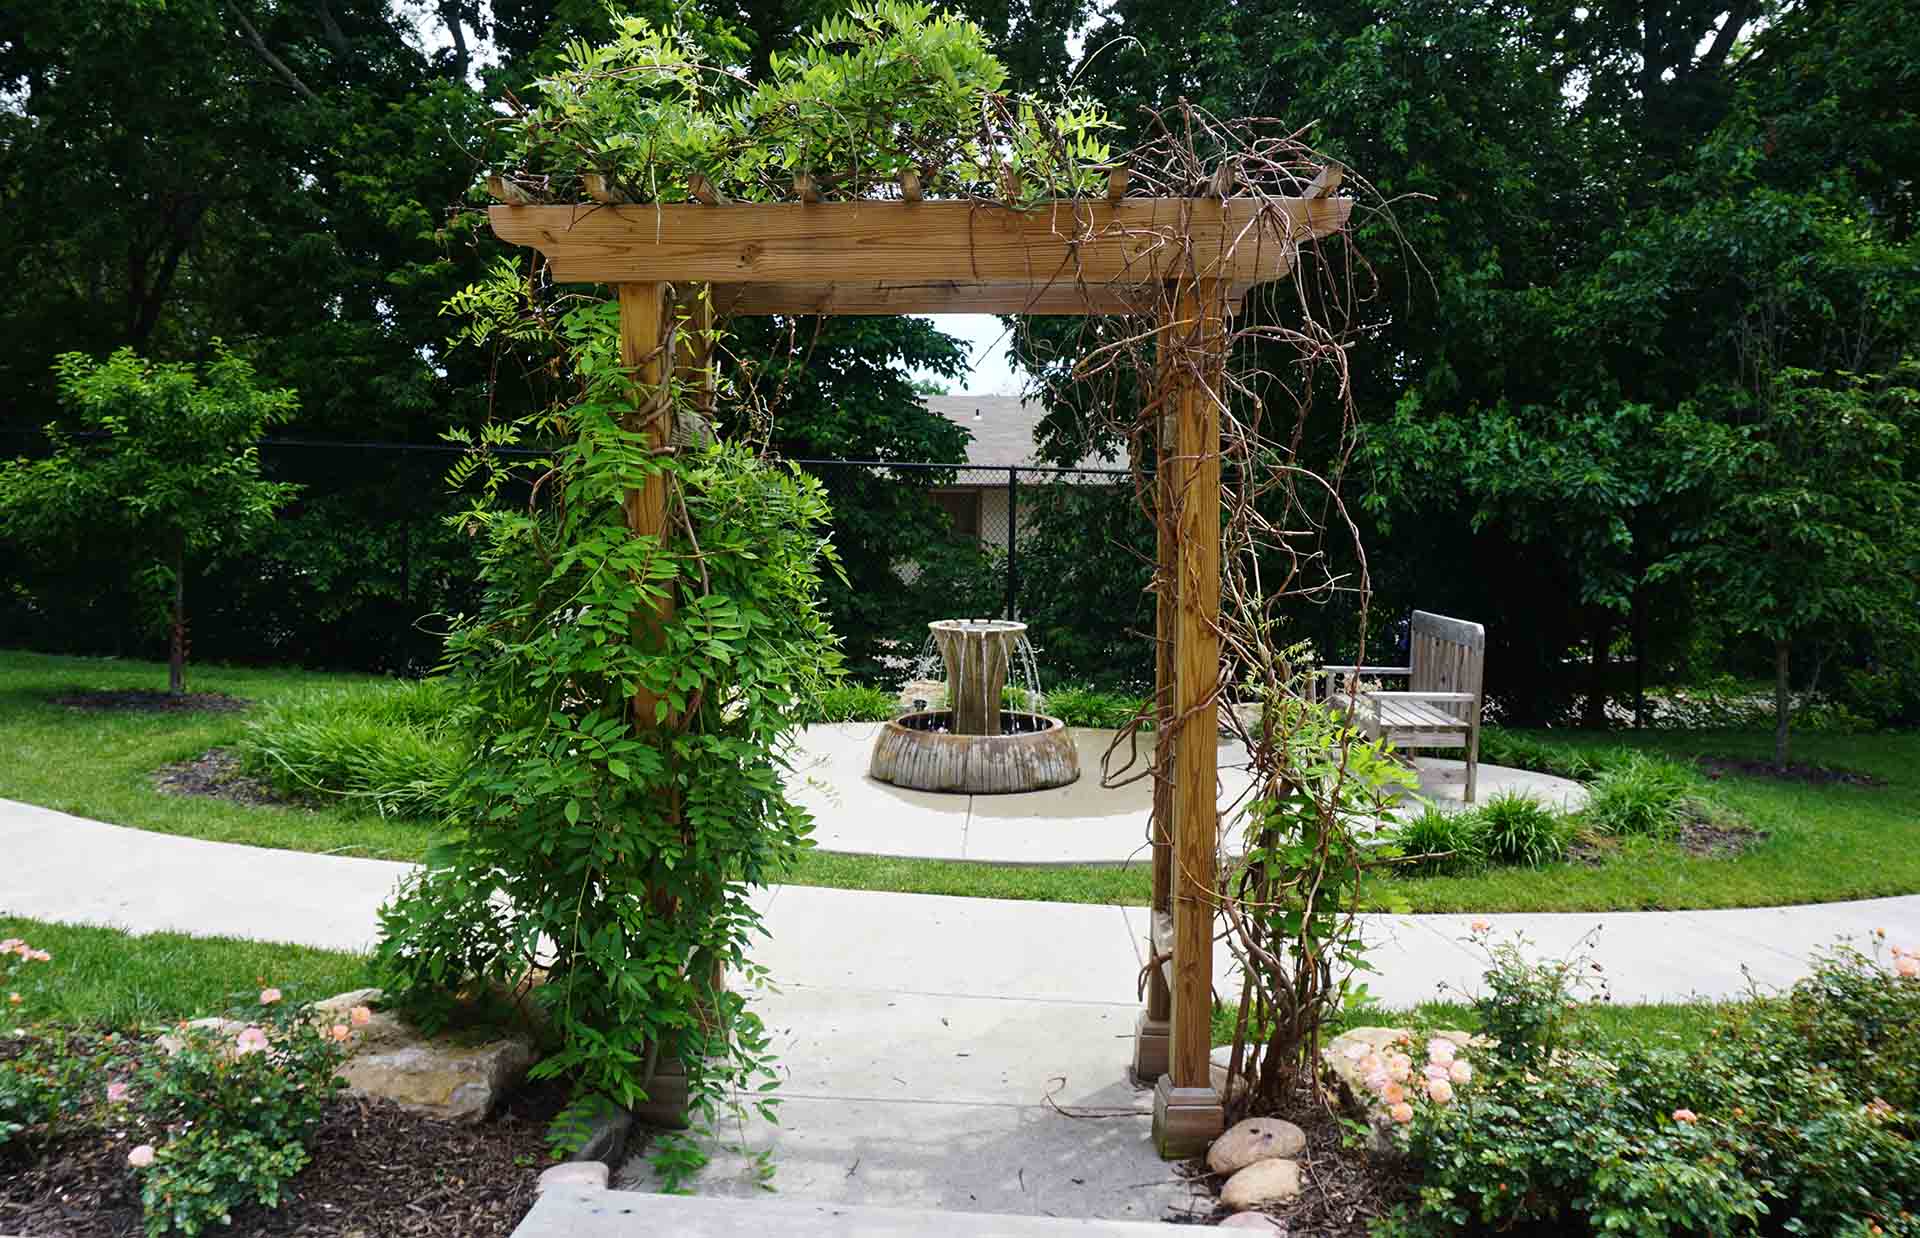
(911, 752)
(1253, 1140)
(587, 1175)
(1262, 1183)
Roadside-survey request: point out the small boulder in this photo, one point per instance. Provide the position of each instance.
(1261, 1184)
(452, 1076)
(1254, 1140)
(588, 1175)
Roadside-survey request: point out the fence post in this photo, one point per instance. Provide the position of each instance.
(1013, 537)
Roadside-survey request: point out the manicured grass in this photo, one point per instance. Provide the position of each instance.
(1824, 843)
(106, 978)
(100, 763)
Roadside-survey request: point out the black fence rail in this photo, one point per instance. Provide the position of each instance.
(364, 569)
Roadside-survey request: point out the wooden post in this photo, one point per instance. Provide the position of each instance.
(643, 336)
(1187, 1112)
(1152, 1035)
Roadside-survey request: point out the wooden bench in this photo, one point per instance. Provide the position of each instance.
(1441, 706)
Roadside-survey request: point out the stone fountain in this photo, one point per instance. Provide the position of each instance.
(975, 746)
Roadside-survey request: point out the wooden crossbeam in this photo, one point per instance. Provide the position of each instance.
(930, 244)
(948, 297)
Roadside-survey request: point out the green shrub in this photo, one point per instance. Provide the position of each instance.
(1455, 842)
(1794, 1116)
(1519, 830)
(230, 1117)
(1089, 707)
(395, 745)
(1644, 797)
(41, 1080)
(850, 701)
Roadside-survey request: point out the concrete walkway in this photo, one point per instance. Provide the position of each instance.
(924, 1040)
(1083, 822)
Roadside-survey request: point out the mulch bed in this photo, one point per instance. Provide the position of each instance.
(216, 774)
(1817, 775)
(1343, 1189)
(153, 702)
(1704, 839)
(377, 1170)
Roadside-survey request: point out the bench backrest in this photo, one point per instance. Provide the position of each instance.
(1448, 655)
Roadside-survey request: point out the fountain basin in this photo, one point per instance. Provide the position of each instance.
(1031, 753)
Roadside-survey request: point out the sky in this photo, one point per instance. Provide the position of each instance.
(986, 340)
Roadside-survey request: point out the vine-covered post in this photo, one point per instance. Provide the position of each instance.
(643, 344)
(1152, 1035)
(1187, 1112)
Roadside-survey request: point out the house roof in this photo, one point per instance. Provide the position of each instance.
(1003, 428)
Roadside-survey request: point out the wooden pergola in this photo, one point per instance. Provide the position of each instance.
(1190, 259)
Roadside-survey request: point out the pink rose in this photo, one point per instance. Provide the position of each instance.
(1686, 1116)
(1441, 1051)
(1379, 1080)
(117, 1093)
(1401, 1113)
(11, 945)
(1399, 1068)
(37, 956)
(1436, 1071)
(1479, 926)
(1439, 1091)
(1371, 1063)
(252, 1040)
(1461, 1071)
(1907, 965)
(1393, 1094)
(141, 1157)
(341, 1031)
(360, 1016)
(269, 996)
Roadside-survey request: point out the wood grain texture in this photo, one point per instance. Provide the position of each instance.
(1131, 241)
(1199, 332)
(1060, 298)
(643, 350)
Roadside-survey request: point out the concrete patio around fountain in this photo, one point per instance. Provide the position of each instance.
(1082, 823)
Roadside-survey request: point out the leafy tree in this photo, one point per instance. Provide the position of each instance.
(159, 456)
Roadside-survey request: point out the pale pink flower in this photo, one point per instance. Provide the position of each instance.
(1686, 1116)
(1479, 926)
(251, 1040)
(117, 1093)
(11, 945)
(141, 1157)
(1435, 1070)
(1357, 1050)
(1441, 1051)
(360, 1016)
(1439, 1091)
(1393, 1094)
(37, 956)
(1399, 1067)
(1379, 1081)
(1907, 965)
(269, 996)
(341, 1031)
(1371, 1063)
(1401, 1113)
(1461, 1071)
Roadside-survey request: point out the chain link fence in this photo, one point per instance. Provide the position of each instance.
(364, 569)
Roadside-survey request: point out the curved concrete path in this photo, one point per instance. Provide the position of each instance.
(1084, 822)
(924, 1040)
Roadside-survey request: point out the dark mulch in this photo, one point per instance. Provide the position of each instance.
(153, 702)
(1718, 842)
(216, 773)
(1817, 775)
(377, 1170)
(1343, 1188)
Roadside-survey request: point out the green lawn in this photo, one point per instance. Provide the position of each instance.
(106, 978)
(100, 764)
(1823, 843)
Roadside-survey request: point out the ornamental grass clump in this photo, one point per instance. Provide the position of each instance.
(395, 747)
(1643, 797)
(1438, 843)
(1517, 829)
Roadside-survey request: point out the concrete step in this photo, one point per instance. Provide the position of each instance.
(573, 1212)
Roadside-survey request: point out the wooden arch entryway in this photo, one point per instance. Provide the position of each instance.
(1186, 262)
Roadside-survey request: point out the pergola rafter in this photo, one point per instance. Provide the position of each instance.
(1186, 262)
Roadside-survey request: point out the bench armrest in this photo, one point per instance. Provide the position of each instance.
(1364, 670)
(1465, 697)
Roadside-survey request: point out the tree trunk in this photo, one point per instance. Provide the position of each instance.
(177, 653)
(1597, 676)
(1782, 701)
